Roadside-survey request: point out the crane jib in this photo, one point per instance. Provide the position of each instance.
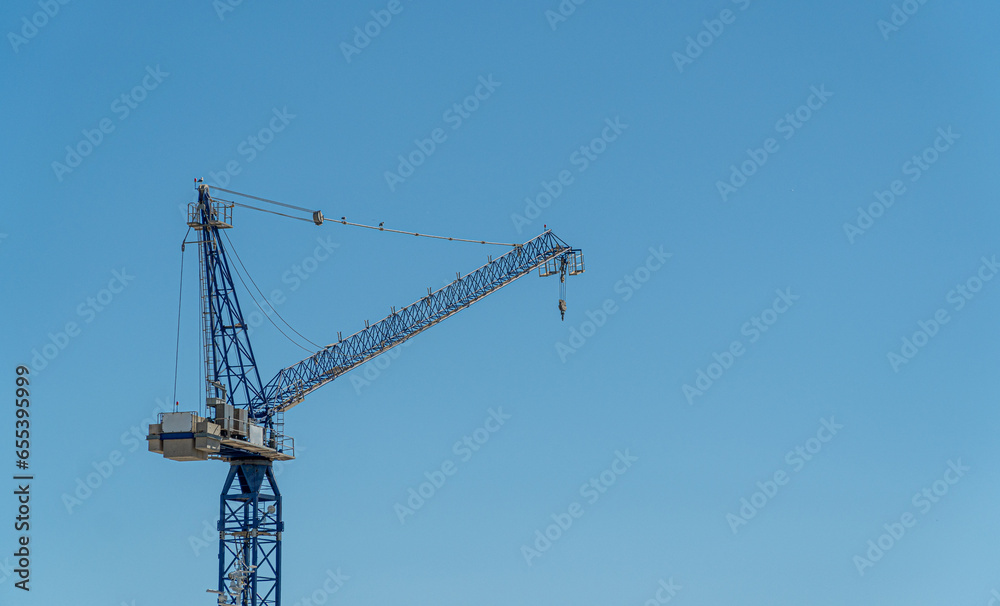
(293, 383)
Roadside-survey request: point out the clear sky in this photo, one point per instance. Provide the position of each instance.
(774, 381)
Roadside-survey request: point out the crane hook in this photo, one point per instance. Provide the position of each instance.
(562, 287)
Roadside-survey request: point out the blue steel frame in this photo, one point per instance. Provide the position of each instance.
(250, 534)
(250, 528)
(292, 384)
(232, 355)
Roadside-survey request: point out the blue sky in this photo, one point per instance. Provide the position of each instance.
(822, 171)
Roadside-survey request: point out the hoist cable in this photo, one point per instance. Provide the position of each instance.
(257, 303)
(263, 210)
(229, 191)
(263, 296)
(180, 299)
(343, 221)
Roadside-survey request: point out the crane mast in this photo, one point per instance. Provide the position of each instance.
(243, 422)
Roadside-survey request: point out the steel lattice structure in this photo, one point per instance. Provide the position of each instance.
(292, 384)
(229, 356)
(250, 528)
(246, 430)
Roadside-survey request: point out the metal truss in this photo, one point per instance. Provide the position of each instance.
(250, 528)
(292, 384)
(230, 364)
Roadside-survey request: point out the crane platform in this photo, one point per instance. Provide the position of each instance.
(185, 436)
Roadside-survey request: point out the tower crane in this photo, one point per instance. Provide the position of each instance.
(244, 415)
